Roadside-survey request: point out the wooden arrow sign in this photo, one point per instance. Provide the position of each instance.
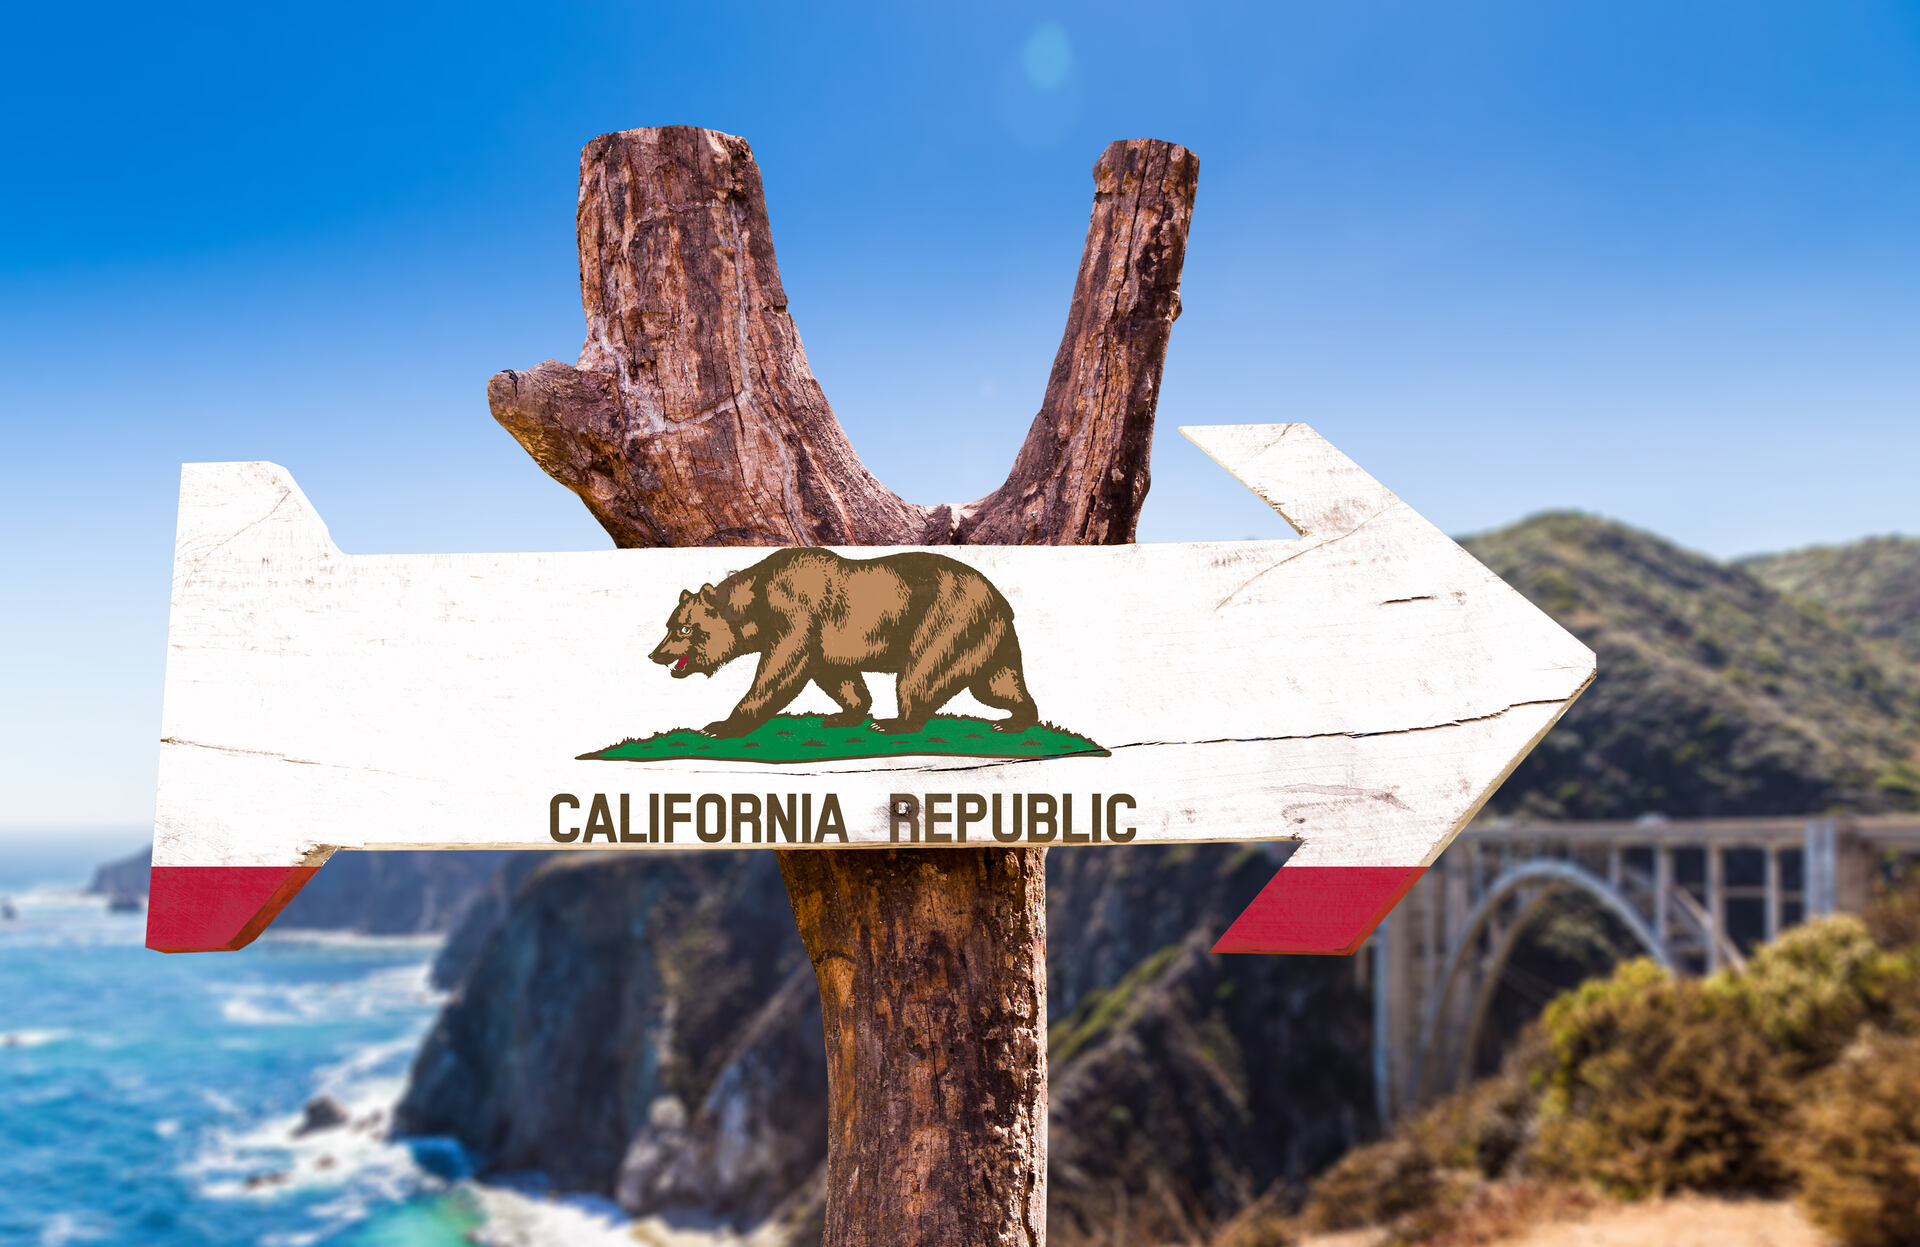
(1360, 690)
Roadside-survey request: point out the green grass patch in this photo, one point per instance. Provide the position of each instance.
(1102, 1012)
(807, 738)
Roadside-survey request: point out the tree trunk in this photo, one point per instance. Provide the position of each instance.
(692, 418)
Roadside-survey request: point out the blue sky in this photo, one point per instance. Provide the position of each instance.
(1659, 261)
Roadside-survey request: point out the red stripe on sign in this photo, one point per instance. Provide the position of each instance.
(205, 909)
(1318, 909)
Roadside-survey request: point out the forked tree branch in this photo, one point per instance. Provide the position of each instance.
(692, 417)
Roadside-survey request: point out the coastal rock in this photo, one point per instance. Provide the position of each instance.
(124, 876)
(757, 1136)
(323, 1112)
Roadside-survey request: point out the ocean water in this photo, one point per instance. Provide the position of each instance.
(152, 1099)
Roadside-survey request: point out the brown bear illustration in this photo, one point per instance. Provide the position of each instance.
(812, 615)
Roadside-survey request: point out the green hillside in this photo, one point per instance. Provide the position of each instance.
(1718, 693)
(1873, 585)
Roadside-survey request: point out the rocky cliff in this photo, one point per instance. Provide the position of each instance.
(1183, 1084)
(640, 1024)
(646, 1025)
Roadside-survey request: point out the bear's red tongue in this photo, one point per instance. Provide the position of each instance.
(683, 661)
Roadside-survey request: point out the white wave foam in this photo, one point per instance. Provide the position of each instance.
(217, 1102)
(375, 1062)
(355, 1160)
(56, 894)
(68, 1227)
(515, 1219)
(520, 1218)
(423, 944)
(403, 988)
(297, 1238)
(32, 1038)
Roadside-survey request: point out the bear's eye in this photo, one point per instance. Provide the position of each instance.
(685, 630)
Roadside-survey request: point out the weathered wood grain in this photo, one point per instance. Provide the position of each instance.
(1359, 689)
(946, 952)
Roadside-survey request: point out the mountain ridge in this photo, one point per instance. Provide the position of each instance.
(1874, 582)
(1718, 694)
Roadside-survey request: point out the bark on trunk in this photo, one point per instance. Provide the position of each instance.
(933, 986)
(692, 418)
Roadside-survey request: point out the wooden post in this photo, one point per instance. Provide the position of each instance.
(692, 418)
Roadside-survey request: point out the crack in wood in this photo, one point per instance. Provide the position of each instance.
(278, 757)
(200, 560)
(1310, 542)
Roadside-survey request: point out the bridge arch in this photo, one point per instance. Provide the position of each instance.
(1549, 877)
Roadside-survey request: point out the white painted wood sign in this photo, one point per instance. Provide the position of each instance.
(1360, 690)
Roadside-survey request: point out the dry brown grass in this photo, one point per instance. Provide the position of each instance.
(1858, 1146)
(1681, 1221)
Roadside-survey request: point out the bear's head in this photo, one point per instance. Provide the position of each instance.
(699, 636)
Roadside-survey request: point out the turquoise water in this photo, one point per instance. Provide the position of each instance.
(151, 1099)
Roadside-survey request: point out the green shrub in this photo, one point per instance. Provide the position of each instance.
(1813, 988)
(1655, 1084)
(1857, 1149)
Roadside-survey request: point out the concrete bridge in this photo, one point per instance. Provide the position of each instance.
(1694, 895)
